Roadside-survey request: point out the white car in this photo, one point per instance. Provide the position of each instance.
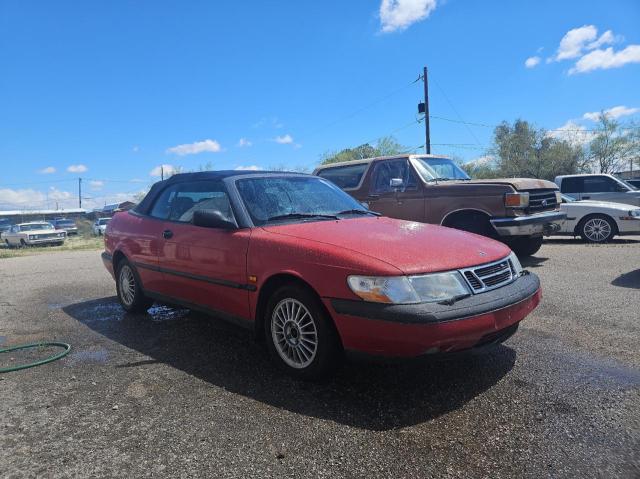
(32, 234)
(598, 221)
(100, 226)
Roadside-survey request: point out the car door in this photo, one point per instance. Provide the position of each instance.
(602, 188)
(405, 201)
(202, 266)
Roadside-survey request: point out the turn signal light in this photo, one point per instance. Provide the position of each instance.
(516, 200)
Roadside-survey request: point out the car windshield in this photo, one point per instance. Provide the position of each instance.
(295, 198)
(433, 169)
(630, 185)
(103, 221)
(36, 226)
(65, 223)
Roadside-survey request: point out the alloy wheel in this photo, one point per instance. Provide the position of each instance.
(127, 285)
(294, 333)
(597, 230)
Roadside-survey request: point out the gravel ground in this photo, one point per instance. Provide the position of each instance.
(177, 394)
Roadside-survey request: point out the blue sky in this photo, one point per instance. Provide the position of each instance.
(107, 91)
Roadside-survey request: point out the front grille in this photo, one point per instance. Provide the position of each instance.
(541, 200)
(489, 276)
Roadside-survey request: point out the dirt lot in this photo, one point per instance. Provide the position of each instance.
(178, 394)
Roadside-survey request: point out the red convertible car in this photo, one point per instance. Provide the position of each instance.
(313, 272)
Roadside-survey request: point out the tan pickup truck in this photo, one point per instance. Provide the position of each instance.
(433, 189)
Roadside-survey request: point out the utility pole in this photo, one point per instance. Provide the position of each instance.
(79, 192)
(161, 173)
(427, 133)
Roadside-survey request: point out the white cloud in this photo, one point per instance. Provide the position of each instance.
(96, 185)
(605, 59)
(77, 169)
(614, 112)
(575, 41)
(400, 14)
(211, 146)
(248, 168)
(243, 142)
(573, 133)
(167, 169)
(33, 199)
(47, 171)
(284, 139)
(532, 62)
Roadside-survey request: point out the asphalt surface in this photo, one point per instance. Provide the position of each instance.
(177, 394)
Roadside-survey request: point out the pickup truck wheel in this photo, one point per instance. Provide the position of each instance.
(300, 337)
(527, 246)
(23, 244)
(597, 229)
(129, 289)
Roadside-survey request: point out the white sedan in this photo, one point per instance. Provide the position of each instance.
(32, 234)
(598, 221)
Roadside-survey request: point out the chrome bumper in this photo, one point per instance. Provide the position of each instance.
(541, 223)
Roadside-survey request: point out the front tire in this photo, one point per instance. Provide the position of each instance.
(597, 229)
(526, 246)
(300, 336)
(129, 289)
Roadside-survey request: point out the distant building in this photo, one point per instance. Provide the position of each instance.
(109, 210)
(628, 174)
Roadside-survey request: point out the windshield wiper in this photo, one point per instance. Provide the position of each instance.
(358, 212)
(301, 215)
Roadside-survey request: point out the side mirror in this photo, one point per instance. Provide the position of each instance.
(213, 219)
(621, 188)
(396, 183)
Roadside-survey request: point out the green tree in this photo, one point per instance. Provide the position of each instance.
(385, 146)
(522, 150)
(614, 146)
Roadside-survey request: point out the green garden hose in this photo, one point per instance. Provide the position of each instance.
(66, 348)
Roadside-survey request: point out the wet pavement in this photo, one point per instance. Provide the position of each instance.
(175, 393)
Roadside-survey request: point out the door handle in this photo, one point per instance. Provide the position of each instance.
(167, 234)
(586, 197)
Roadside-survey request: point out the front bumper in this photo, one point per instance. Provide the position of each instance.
(541, 223)
(414, 330)
(34, 242)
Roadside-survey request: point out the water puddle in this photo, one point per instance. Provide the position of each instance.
(164, 313)
(90, 356)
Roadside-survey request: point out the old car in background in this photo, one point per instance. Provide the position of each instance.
(634, 182)
(312, 272)
(5, 225)
(67, 225)
(599, 188)
(598, 221)
(433, 189)
(100, 225)
(33, 234)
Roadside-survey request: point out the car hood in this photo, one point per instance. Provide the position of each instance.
(39, 232)
(518, 183)
(409, 246)
(599, 204)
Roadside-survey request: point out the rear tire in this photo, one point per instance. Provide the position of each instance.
(597, 229)
(527, 246)
(300, 335)
(129, 289)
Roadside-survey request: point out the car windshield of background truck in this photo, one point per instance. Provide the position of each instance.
(279, 199)
(439, 169)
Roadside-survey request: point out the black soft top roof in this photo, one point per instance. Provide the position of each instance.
(145, 205)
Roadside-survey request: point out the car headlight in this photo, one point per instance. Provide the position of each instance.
(515, 264)
(635, 213)
(516, 200)
(32, 237)
(409, 289)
